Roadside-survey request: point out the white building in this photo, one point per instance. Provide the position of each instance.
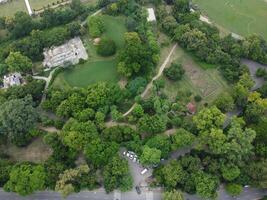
(68, 53)
(12, 80)
(151, 15)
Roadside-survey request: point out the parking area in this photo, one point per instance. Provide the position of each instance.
(138, 171)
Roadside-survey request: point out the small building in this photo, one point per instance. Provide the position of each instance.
(12, 80)
(68, 53)
(191, 108)
(151, 15)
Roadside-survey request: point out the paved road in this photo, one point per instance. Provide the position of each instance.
(253, 67)
(161, 69)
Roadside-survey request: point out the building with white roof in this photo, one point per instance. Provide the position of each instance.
(151, 15)
(12, 80)
(68, 53)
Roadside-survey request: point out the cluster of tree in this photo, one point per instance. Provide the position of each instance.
(204, 41)
(96, 26)
(175, 72)
(18, 118)
(106, 47)
(22, 24)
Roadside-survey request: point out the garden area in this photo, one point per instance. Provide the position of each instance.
(96, 68)
(243, 17)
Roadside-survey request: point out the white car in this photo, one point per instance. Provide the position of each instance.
(124, 153)
(134, 159)
(144, 171)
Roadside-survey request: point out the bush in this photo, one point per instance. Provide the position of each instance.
(175, 72)
(233, 189)
(261, 72)
(198, 98)
(106, 47)
(96, 26)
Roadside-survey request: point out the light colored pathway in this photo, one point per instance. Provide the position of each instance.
(148, 87)
(28, 7)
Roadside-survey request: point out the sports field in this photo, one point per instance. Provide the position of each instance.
(243, 17)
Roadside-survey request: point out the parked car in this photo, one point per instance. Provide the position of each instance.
(124, 153)
(138, 190)
(144, 171)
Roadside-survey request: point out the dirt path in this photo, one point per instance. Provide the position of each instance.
(148, 87)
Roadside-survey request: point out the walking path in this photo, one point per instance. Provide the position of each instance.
(148, 87)
(28, 7)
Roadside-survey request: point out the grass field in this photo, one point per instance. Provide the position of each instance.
(97, 68)
(11, 7)
(243, 17)
(86, 74)
(38, 4)
(208, 83)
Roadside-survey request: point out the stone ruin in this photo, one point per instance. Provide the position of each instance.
(67, 54)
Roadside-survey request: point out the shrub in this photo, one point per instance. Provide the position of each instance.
(175, 72)
(106, 47)
(198, 98)
(96, 26)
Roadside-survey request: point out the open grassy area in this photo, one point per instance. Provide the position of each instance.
(243, 17)
(97, 68)
(86, 74)
(38, 4)
(11, 7)
(36, 151)
(208, 83)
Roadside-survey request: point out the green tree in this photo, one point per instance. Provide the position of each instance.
(161, 142)
(150, 156)
(234, 189)
(171, 174)
(117, 175)
(18, 63)
(25, 179)
(173, 195)
(100, 153)
(17, 118)
(209, 118)
(206, 185)
(152, 124)
(230, 172)
(106, 47)
(181, 139)
(65, 184)
(175, 72)
(96, 26)
(224, 102)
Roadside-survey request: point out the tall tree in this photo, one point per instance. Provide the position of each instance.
(18, 63)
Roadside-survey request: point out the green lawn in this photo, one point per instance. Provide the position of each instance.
(243, 17)
(11, 7)
(91, 72)
(97, 68)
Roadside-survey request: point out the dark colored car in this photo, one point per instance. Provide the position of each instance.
(138, 190)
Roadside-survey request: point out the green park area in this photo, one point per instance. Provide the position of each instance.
(11, 7)
(96, 68)
(243, 17)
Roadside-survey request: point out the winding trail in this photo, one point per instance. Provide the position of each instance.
(148, 87)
